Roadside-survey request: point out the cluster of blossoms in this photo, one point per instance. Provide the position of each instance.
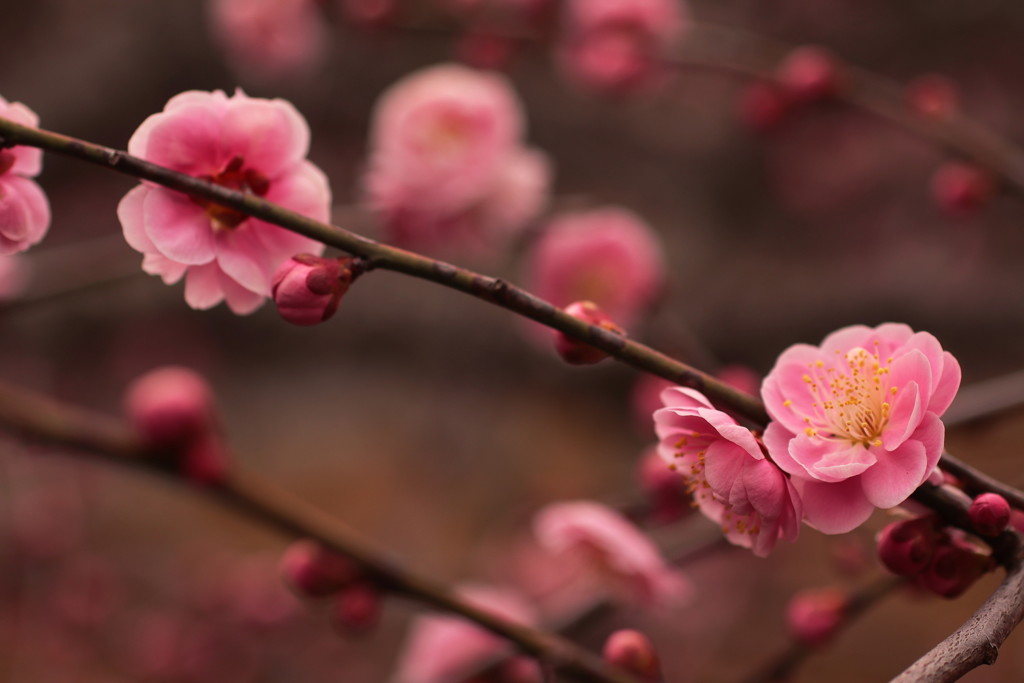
(855, 426)
(447, 163)
(24, 210)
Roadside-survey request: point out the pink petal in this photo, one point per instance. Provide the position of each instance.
(682, 397)
(178, 227)
(28, 161)
(766, 488)
(787, 396)
(842, 340)
(723, 465)
(834, 508)
(777, 439)
(830, 461)
(24, 214)
(241, 255)
(240, 300)
(270, 135)
(949, 382)
(202, 286)
(187, 139)
(131, 214)
(905, 417)
(168, 270)
(931, 433)
(929, 346)
(896, 474)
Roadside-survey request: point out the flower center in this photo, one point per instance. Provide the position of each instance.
(851, 397)
(236, 177)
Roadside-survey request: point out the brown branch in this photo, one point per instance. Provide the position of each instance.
(42, 419)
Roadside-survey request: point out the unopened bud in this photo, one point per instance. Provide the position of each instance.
(815, 615)
(763, 106)
(810, 74)
(357, 608)
(961, 188)
(315, 571)
(906, 547)
(307, 289)
(990, 514)
(954, 568)
(205, 460)
(170, 406)
(632, 651)
(576, 352)
(369, 13)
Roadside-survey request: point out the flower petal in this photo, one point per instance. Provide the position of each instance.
(896, 474)
(829, 461)
(242, 256)
(834, 508)
(202, 286)
(949, 382)
(178, 227)
(270, 135)
(24, 214)
(905, 416)
(131, 214)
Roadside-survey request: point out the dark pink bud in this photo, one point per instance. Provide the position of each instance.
(632, 651)
(954, 568)
(815, 615)
(369, 13)
(961, 188)
(170, 406)
(763, 107)
(205, 460)
(932, 96)
(307, 289)
(809, 74)
(520, 669)
(357, 608)
(314, 571)
(906, 547)
(990, 514)
(576, 352)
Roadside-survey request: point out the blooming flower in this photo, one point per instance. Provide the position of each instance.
(856, 420)
(269, 39)
(24, 210)
(608, 256)
(441, 648)
(619, 45)
(252, 145)
(730, 479)
(609, 548)
(447, 165)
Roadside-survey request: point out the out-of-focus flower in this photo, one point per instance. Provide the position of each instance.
(618, 46)
(634, 652)
(730, 479)
(856, 420)
(932, 96)
(247, 144)
(441, 648)
(447, 165)
(576, 352)
(611, 551)
(607, 256)
(269, 39)
(960, 188)
(24, 209)
(809, 74)
(815, 615)
(315, 571)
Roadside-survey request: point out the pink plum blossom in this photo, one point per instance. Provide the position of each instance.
(731, 480)
(620, 45)
(441, 648)
(856, 420)
(609, 549)
(269, 39)
(24, 209)
(248, 144)
(608, 256)
(447, 164)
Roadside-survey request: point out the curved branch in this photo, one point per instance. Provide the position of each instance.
(46, 420)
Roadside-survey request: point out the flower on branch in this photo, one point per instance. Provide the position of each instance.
(731, 480)
(611, 552)
(447, 164)
(24, 209)
(855, 421)
(252, 145)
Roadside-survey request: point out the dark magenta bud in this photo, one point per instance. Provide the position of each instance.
(307, 289)
(815, 615)
(357, 608)
(990, 514)
(932, 96)
(634, 652)
(170, 406)
(576, 352)
(315, 571)
(906, 547)
(954, 568)
(809, 74)
(961, 189)
(764, 106)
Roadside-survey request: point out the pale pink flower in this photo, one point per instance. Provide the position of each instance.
(248, 144)
(608, 256)
(447, 165)
(269, 39)
(440, 649)
(24, 209)
(612, 551)
(856, 420)
(620, 45)
(723, 465)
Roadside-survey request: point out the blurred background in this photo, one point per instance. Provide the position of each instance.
(429, 420)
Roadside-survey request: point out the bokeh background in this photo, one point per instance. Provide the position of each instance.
(429, 420)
